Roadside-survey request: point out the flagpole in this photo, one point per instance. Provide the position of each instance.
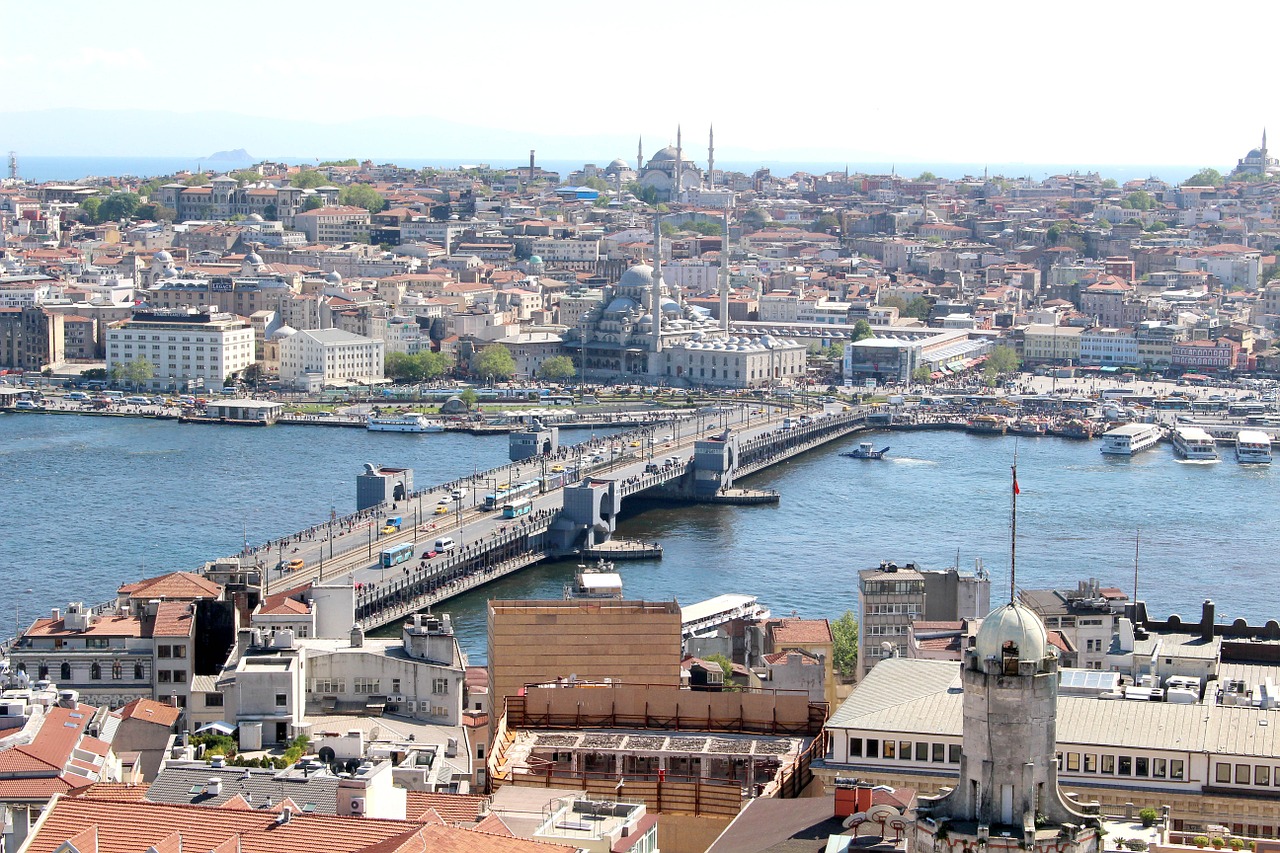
(1013, 529)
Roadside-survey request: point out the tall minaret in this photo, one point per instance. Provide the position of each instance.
(679, 164)
(655, 290)
(711, 161)
(639, 155)
(724, 275)
(1264, 152)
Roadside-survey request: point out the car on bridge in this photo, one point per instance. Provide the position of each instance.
(441, 510)
(294, 565)
(389, 528)
(557, 469)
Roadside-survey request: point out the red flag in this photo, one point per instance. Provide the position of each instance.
(1016, 490)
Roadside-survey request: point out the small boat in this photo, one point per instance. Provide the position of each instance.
(989, 424)
(402, 423)
(866, 450)
(1032, 426)
(598, 581)
(1079, 428)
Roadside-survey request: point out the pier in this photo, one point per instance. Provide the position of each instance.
(571, 516)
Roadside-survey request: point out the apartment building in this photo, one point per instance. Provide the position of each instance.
(314, 359)
(185, 347)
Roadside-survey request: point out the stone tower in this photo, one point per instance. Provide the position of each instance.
(1007, 797)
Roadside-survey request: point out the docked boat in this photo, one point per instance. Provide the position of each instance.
(989, 424)
(1253, 447)
(402, 423)
(1079, 428)
(1032, 426)
(705, 617)
(1194, 444)
(866, 450)
(598, 581)
(1129, 439)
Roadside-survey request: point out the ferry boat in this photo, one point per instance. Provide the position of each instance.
(402, 423)
(1253, 447)
(705, 617)
(1194, 444)
(990, 424)
(1129, 439)
(598, 581)
(866, 450)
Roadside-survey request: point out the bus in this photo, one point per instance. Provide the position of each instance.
(397, 555)
(1242, 410)
(515, 509)
(492, 502)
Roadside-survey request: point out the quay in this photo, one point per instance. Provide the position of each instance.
(568, 516)
(623, 549)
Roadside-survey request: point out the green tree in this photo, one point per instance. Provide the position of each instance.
(668, 230)
(135, 372)
(707, 229)
(927, 176)
(90, 207)
(648, 195)
(1053, 235)
(156, 212)
(824, 224)
(402, 367)
(919, 307)
(469, 398)
(862, 331)
(922, 375)
(434, 364)
(596, 183)
(118, 206)
(350, 161)
(754, 219)
(1157, 226)
(1204, 178)
(558, 368)
(1003, 359)
(312, 203)
(362, 195)
(844, 639)
(95, 373)
(270, 213)
(149, 188)
(726, 667)
(495, 362)
(1140, 200)
(195, 180)
(1110, 184)
(246, 176)
(834, 352)
(308, 179)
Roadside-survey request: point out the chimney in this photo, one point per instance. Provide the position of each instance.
(213, 787)
(1206, 620)
(286, 814)
(57, 614)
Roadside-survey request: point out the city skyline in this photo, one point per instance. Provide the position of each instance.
(867, 89)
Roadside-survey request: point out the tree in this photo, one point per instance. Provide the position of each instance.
(1157, 226)
(707, 229)
(313, 202)
(922, 375)
(927, 176)
(824, 223)
(469, 398)
(834, 352)
(1110, 184)
(156, 212)
(90, 207)
(94, 373)
(195, 181)
(668, 230)
(434, 364)
(400, 366)
(1141, 200)
(726, 665)
(246, 176)
(118, 206)
(1204, 178)
(270, 213)
(350, 161)
(1053, 235)
(558, 368)
(596, 183)
(754, 219)
(1003, 359)
(308, 179)
(862, 331)
(844, 639)
(648, 195)
(134, 373)
(920, 308)
(362, 195)
(495, 362)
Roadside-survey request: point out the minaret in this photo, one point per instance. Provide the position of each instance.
(711, 161)
(679, 165)
(724, 276)
(639, 155)
(655, 291)
(1264, 152)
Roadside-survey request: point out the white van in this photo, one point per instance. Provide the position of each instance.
(445, 543)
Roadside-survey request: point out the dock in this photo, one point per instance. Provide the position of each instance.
(623, 549)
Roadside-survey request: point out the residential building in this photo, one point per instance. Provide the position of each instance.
(811, 637)
(1217, 354)
(1108, 347)
(1087, 616)
(32, 338)
(1043, 343)
(312, 360)
(341, 223)
(186, 348)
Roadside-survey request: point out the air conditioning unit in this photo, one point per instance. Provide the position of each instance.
(357, 805)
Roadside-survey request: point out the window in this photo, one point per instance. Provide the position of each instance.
(1222, 773)
(213, 700)
(117, 671)
(1242, 774)
(890, 747)
(922, 751)
(1262, 775)
(1159, 768)
(440, 686)
(164, 676)
(939, 752)
(180, 676)
(179, 651)
(1090, 763)
(95, 671)
(1073, 762)
(366, 686)
(1108, 764)
(163, 651)
(855, 747)
(137, 672)
(953, 753)
(395, 685)
(97, 643)
(64, 672)
(904, 750)
(1140, 766)
(282, 699)
(1175, 768)
(873, 749)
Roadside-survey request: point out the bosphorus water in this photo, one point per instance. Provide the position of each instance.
(89, 503)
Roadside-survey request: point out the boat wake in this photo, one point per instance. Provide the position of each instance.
(907, 460)
(1198, 461)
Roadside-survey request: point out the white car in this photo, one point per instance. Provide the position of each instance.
(445, 501)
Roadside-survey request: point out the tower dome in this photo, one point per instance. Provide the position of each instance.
(253, 259)
(333, 277)
(1012, 628)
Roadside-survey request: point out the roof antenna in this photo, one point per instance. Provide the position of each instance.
(1013, 528)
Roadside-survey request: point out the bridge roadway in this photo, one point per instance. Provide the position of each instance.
(487, 546)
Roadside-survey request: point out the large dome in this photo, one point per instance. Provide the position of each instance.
(1016, 627)
(640, 275)
(668, 153)
(618, 165)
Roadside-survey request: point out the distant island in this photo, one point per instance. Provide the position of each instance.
(236, 154)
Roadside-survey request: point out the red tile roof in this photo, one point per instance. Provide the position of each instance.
(452, 808)
(103, 626)
(174, 619)
(800, 631)
(173, 585)
(150, 711)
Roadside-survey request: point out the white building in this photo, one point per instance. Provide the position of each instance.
(185, 347)
(1108, 347)
(340, 223)
(314, 359)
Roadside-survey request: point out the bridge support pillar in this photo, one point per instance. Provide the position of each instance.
(589, 517)
(715, 461)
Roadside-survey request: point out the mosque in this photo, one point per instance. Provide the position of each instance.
(669, 173)
(1256, 162)
(639, 331)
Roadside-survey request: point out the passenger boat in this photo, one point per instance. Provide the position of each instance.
(1194, 444)
(1032, 426)
(1079, 428)
(598, 581)
(402, 423)
(1253, 447)
(866, 450)
(990, 424)
(705, 617)
(1129, 439)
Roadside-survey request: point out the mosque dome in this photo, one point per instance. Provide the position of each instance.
(622, 305)
(1255, 154)
(618, 165)
(334, 277)
(640, 275)
(162, 257)
(254, 217)
(253, 259)
(1013, 626)
(284, 332)
(535, 259)
(670, 306)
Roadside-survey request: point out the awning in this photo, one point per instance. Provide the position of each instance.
(1110, 370)
(218, 727)
(937, 374)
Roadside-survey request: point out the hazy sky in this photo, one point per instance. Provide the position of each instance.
(920, 81)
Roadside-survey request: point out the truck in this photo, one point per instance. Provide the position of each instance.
(392, 525)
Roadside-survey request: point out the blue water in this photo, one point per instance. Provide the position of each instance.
(89, 503)
(38, 169)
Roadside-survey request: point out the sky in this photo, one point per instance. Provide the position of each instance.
(923, 81)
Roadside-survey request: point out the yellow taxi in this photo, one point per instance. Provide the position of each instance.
(557, 469)
(442, 510)
(294, 565)
(389, 528)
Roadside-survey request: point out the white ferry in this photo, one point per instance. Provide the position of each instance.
(1253, 446)
(703, 618)
(402, 423)
(1194, 444)
(1129, 439)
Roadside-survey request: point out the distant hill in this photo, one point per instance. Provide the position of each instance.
(238, 154)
